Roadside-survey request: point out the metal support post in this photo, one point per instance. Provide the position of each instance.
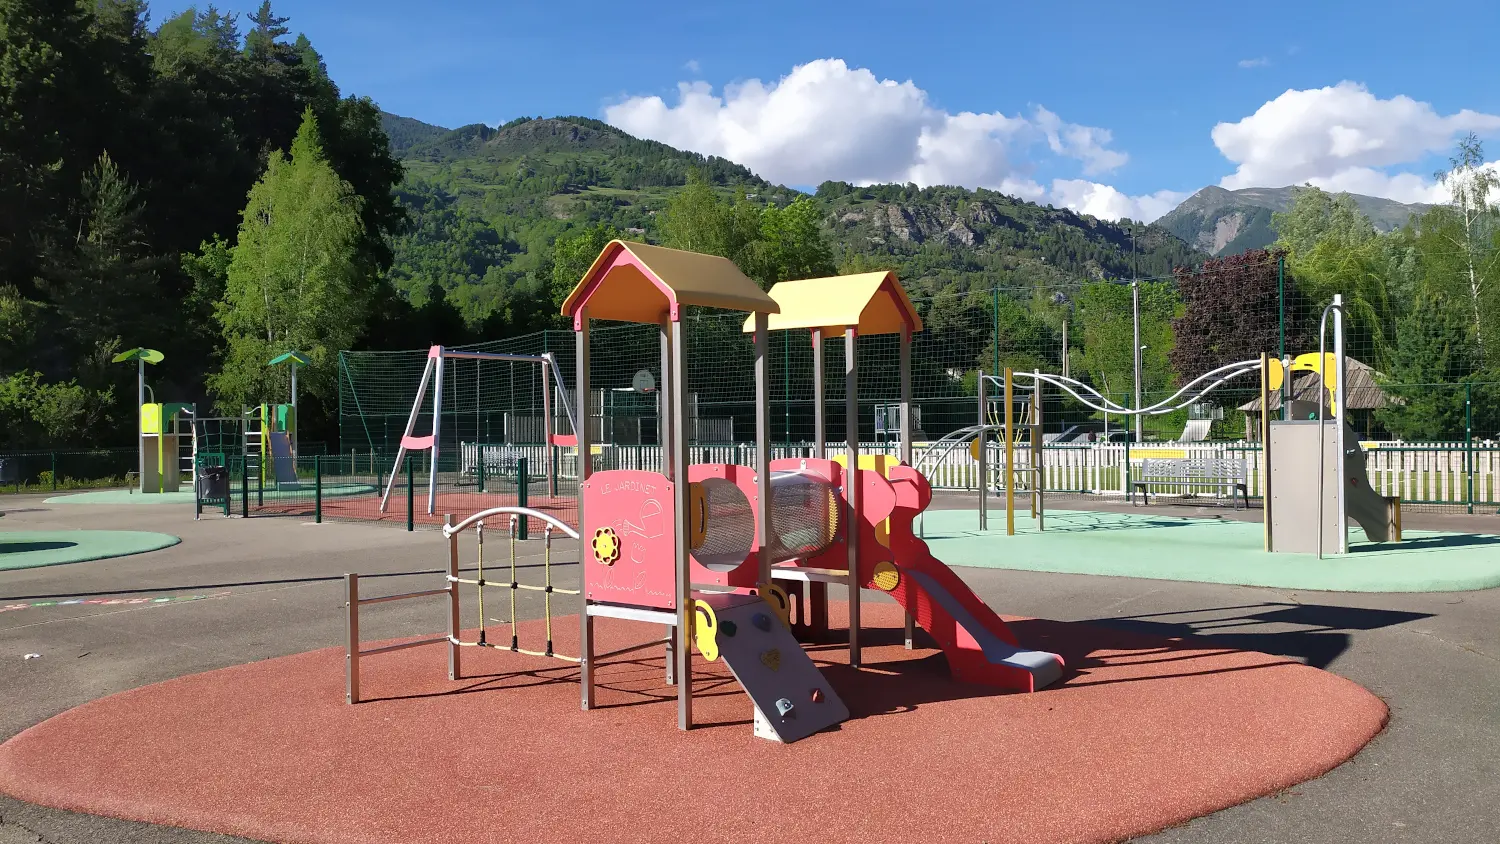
(1010, 455)
(411, 494)
(763, 449)
(1286, 384)
(982, 452)
(1341, 414)
(1265, 451)
(909, 626)
(437, 434)
(1135, 312)
(523, 481)
(140, 421)
(852, 491)
(547, 432)
(683, 663)
(1468, 448)
(455, 626)
(411, 423)
(1039, 459)
(820, 399)
(667, 436)
(585, 468)
(317, 487)
(351, 638)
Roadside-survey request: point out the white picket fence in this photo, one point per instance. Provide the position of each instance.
(1417, 472)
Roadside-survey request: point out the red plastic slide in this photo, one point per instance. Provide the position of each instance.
(979, 645)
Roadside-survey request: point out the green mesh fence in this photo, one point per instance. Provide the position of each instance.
(1188, 324)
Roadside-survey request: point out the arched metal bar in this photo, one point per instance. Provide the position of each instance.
(450, 530)
(1233, 370)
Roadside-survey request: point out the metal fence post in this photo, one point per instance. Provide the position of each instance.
(523, 480)
(54, 471)
(479, 464)
(1469, 447)
(244, 488)
(410, 509)
(318, 489)
(351, 638)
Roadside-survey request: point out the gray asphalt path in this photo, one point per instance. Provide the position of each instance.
(273, 586)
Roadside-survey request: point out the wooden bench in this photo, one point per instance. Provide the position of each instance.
(1189, 474)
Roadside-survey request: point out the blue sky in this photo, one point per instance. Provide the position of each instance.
(1069, 99)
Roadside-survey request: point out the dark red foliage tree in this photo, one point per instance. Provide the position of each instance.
(1232, 312)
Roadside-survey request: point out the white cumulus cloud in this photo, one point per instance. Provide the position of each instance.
(827, 121)
(1107, 203)
(1344, 138)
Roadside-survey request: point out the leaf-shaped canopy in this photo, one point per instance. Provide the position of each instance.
(295, 358)
(147, 355)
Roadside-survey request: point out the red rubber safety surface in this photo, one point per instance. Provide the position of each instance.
(1143, 733)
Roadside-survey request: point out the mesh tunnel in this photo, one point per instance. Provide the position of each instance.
(805, 519)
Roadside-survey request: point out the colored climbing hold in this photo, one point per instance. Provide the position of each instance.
(817, 695)
(761, 621)
(784, 707)
(771, 659)
(727, 628)
(606, 546)
(780, 603)
(886, 577)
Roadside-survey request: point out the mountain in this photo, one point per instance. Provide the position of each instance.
(406, 133)
(1225, 222)
(488, 202)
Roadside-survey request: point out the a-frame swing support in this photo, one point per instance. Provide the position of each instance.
(432, 375)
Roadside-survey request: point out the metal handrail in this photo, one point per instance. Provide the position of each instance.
(450, 530)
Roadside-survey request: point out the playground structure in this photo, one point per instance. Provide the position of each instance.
(1296, 485)
(436, 376)
(1307, 518)
(175, 441)
(700, 551)
(167, 450)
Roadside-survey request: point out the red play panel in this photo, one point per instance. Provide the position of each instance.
(1144, 733)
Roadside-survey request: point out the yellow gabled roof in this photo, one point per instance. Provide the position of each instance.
(636, 282)
(873, 303)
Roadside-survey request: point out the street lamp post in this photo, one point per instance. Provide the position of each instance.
(1135, 309)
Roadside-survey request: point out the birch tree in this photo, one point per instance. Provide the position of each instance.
(1472, 184)
(294, 280)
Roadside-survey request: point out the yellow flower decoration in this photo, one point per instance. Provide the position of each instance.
(606, 546)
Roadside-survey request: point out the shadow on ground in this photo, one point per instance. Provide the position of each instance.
(23, 547)
(1322, 633)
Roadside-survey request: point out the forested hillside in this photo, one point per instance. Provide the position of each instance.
(128, 153)
(489, 203)
(200, 186)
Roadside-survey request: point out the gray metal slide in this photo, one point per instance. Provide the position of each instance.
(1044, 666)
(1362, 503)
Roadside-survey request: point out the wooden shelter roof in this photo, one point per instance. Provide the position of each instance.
(871, 303)
(1361, 391)
(637, 282)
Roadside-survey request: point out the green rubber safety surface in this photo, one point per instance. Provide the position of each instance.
(27, 549)
(125, 496)
(1211, 551)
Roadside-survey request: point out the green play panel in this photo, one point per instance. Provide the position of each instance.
(27, 549)
(1211, 551)
(125, 496)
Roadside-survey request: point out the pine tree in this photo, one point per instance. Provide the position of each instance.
(1435, 355)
